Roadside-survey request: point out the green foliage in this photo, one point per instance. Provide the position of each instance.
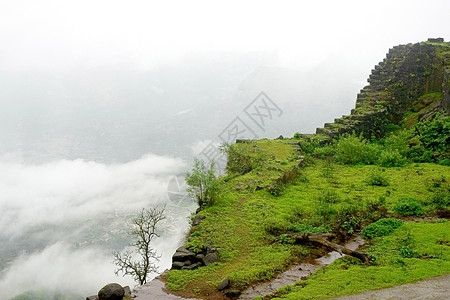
(308, 147)
(348, 219)
(441, 199)
(242, 158)
(354, 150)
(377, 178)
(203, 183)
(195, 245)
(286, 239)
(399, 141)
(297, 135)
(325, 151)
(381, 227)
(408, 207)
(375, 209)
(444, 162)
(435, 132)
(275, 226)
(391, 158)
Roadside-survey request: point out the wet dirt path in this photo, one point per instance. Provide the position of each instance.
(296, 272)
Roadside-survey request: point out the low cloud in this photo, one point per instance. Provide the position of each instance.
(54, 214)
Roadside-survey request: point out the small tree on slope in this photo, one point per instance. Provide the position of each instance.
(144, 231)
(202, 183)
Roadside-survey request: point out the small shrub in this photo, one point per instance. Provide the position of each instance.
(324, 152)
(203, 183)
(297, 135)
(354, 150)
(398, 141)
(308, 146)
(285, 239)
(377, 178)
(375, 209)
(407, 252)
(441, 199)
(435, 132)
(408, 207)
(348, 219)
(445, 162)
(381, 227)
(275, 226)
(391, 158)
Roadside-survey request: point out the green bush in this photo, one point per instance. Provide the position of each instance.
(348, 219)
(399, 141)
(203, 184)
(375, 209)
(445, 162)
(441, 199)
(391, 158)
(275, 226)
(377, 178)
(308, 146)
(435, 132)
(381, 227)
(324, 152)
(408, 207)
(242, 157)
(354, 150)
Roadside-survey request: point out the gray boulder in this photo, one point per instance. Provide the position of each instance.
(183, 254)
(177, 265)
(197, 219)
(112, 291)
(224, 284)
(210, 258)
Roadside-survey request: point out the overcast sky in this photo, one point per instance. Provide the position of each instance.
(66, 34)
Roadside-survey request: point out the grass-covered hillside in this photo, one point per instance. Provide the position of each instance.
(339, 188)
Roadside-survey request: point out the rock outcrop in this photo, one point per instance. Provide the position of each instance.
(407, 73)
(185, 259)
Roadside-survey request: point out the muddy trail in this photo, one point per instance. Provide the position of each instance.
(297, 272)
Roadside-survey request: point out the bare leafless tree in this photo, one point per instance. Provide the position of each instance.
(144, 231)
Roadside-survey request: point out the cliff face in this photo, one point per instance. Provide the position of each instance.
(412, 78)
